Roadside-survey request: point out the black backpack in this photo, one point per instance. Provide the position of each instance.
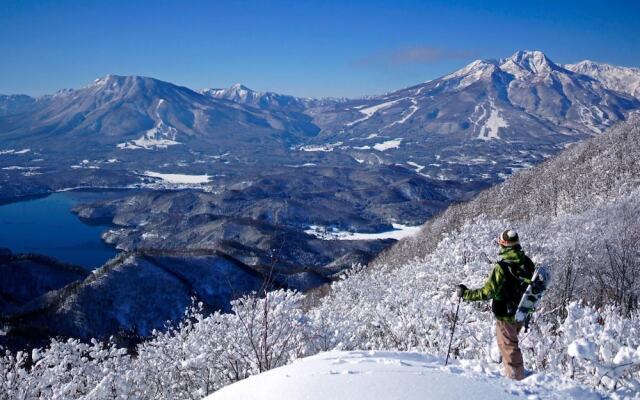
(517, 278)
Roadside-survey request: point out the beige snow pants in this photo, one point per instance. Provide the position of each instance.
(507, 335)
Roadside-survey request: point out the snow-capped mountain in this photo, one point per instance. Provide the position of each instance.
(621, 79)
(477, 124)
(242, 94)
(524, 97)
(133, 112)
(517, 110)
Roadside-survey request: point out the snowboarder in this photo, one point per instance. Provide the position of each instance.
(506, 285)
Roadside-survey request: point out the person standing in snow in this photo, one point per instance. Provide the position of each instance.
(506, 285)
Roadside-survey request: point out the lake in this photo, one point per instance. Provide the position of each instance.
(47, 226)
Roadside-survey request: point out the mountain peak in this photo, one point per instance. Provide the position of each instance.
(111, 81)
(477, 66)
(587, 62)
(528, 62)
(237, 92)
(130, 84)
(595, 65)
(111, 78)
(240, 86)
(528, 54)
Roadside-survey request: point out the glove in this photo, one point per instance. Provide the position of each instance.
(461, 289)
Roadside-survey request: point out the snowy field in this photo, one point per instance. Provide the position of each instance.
(179, 178)
(380, 375)
(399, 232)
(389, 144)
(13, 151)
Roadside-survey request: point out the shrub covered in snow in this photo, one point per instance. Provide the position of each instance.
(587, 176)
(189, 361)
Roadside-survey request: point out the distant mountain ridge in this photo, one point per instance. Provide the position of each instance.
(450, 129)
(242, 94)
(525, 95)
(586, 96)
(447, 129)
(135, 111)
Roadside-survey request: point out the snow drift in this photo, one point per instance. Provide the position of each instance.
(383, 375)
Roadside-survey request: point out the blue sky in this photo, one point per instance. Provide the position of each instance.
(305, 48)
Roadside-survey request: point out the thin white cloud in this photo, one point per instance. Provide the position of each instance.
(411, 55)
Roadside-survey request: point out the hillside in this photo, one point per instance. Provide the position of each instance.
(584, 176)
(138, 292)
(25, 277)
(577, 214)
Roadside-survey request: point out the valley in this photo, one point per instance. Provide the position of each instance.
(232, 185)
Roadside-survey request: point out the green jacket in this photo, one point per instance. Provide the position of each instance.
(506, 284)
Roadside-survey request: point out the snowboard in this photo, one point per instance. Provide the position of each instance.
(533, 293)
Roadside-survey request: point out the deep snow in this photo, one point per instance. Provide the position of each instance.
(378, 375)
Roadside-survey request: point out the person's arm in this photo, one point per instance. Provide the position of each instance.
(490, 288)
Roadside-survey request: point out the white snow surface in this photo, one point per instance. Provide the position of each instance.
(389, 144)
(492, 122)
(18, 168)
(399, 232)
(477, 70)
(383, 375)
(417, 166)
(320, 147)
(13, 151)
(406, 114)
(179, 178)
(525, 63)
(583, 348)
(370, 111)
(160, 136)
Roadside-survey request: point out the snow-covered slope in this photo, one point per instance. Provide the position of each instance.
(382, 375)
(621, 79)
(577, 214)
